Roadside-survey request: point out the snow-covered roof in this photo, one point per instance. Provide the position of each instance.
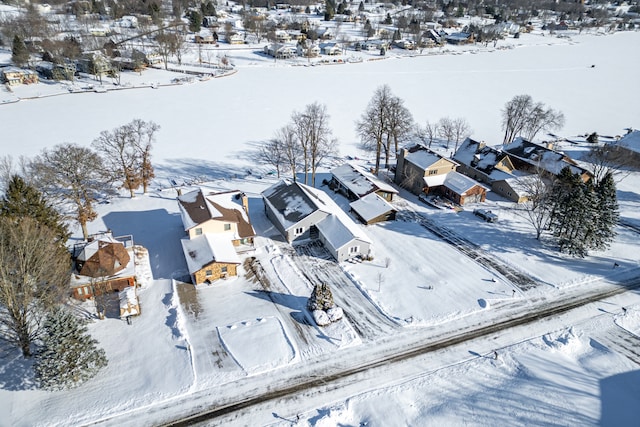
(454, 181)
(371, 206)
(291, 202)
(339, 231)
(459, 183)
(128, 301)
(360, 182)
(423, 157)
(630, 141)
(199, 206)
(542, 157)
(522, 184)
(207, 248)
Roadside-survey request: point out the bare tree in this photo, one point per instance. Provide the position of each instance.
(291, 148)
(446, 130)
(428, 133)
(72, 175)
(34, 275)
(522, 116)
(372, 124)
(461, 131)
(143, 135)
(399, 125)
(607, 159)
(169, 43)
(536, 210)
(311, 127)
(126, 151)
(386, 121)
(272, 153)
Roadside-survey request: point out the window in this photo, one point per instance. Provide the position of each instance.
(227, 227)
(80, 291)
(354, 249)
(208, 273)
(223, 270)
(198, 231)
(433, 172)
(298, 231)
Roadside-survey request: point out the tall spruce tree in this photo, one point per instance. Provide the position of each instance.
(24, 200)
(569, 212)
(19, 52)
(69, 355)
(607, 209)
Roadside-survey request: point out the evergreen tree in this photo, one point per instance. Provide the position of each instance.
(568, 214)
(69, 355)
(195, 21)
(361, 7)
(330, 9)
(19, 52)
(321, 298)
(607, 210)
(23, 200)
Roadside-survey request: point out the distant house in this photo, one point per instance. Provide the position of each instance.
(300, 212)
(103, 264)
(354, 183)
(330, 48)
(209, 258)
(278, 50)
(515, 188)
(372, 208)
(16, 76)
(416, 162)
(404, 44)
(235, 38)
(456, 187)
(629, 146)
(307, 49)
(532, 158)
(459, 38)
(221, 213)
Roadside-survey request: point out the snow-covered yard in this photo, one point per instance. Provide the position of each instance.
(190, 342)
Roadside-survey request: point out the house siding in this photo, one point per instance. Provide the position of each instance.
(214, 227)
(200, 276)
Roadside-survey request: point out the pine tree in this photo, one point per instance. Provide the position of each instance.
(569, 212)
(195, 21)
(19, 52)
(69, 355)
(24, 200)
(607, 210)
(321, 298)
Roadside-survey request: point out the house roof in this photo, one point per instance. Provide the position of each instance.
(371, 206)
(206, 249)
(101, 258)
(521, 184)
(292, 202)
(454, 181)
(360, 182)
(630, 141)
(536, 155)
(199, 206)
(484, 159)
(424, 157)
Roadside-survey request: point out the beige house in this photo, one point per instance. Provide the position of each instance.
(417, 162)
(209, 258)
(218, 228)
(225, 214)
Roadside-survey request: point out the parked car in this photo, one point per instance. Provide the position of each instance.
(486, 215)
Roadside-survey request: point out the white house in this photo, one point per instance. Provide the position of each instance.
(301, 212)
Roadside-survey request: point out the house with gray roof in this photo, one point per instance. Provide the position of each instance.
(355, 183)
(300, 213)
(456, 187)
(629, 146)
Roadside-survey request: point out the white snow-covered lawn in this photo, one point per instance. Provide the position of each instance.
(188, 344)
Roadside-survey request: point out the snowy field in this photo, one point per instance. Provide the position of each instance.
(193, 347)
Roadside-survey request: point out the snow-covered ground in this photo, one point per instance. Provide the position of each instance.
(192, 347)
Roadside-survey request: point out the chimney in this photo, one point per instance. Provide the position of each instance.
(245, 203)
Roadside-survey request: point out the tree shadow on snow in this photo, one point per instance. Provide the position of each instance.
(157, 230)
(16, 372)
(180, 172)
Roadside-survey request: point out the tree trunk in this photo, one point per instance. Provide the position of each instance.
(85, 232)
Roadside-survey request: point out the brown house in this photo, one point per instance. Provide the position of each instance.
(417, 162)
(104, 264)
(456, 187)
